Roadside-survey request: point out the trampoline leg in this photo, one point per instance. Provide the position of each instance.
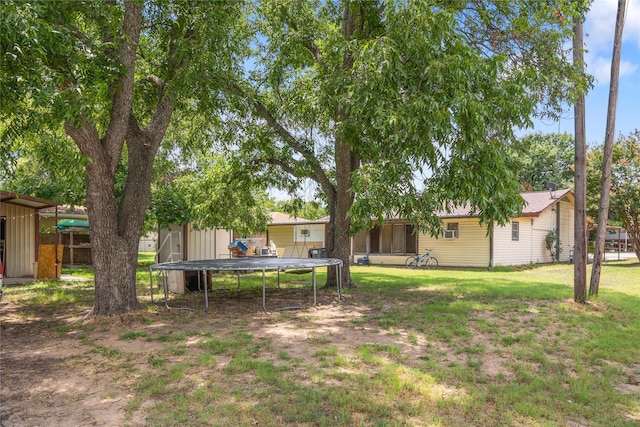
(313, 279)
(238, 272)
(206, 295)
(338, 284)
(278, 278)
(199, 287)
(264, 300)
(151, 283)
(165, 282)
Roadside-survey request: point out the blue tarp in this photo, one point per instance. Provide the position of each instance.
(239, 245)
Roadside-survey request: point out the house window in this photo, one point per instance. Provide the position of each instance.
(374, 247)
(360, 243)
(395, 238)
(515, 231)
(386, 239)
(411, 240)
(452, 231)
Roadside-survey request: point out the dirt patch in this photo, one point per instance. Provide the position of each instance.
(59, 369)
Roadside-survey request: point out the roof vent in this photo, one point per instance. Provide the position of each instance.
(552, 187)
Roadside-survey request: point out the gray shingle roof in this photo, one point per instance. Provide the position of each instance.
(535, 203)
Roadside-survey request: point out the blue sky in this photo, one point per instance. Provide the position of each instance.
(599, 28)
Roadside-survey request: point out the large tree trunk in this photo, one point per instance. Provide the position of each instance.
(607, 159)
(339, 240)
(114, 248)
(116, 225)
(342, 199)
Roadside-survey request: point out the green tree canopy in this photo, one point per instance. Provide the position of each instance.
(402, 108)
(624, 206)
(51, 168)
(542, 158)
(300, 208)
(113, 74)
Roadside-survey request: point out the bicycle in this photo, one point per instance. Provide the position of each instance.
(426, 260)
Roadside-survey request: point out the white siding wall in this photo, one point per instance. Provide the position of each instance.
(541, 227)
(470, 249)
(566, 229)
(208, 244)
(506, 251)
(20, 240)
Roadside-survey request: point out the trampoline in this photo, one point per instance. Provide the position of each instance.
(248, 265)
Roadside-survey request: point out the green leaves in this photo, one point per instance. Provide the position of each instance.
(625, 184)
(541, 158)
(212, 194)
(426, 97)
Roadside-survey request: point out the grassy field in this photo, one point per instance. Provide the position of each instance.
(406, 347)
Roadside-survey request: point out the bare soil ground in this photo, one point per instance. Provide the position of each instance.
(58, 369)
(51, 375)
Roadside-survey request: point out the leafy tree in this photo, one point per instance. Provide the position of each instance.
(401, 108)
(206, 190)
(625, 185)
(541, 158)
(29, 171)
(214, 190)
(300, 208)
(113, 74)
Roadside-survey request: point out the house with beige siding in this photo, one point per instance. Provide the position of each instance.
(20, 233)
(294, 237)
(464, 242)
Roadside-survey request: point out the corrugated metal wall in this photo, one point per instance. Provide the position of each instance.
(208, 244)
(20, 240)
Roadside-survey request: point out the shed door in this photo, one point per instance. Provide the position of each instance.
(3, 234)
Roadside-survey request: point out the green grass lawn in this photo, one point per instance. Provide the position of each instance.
(145, 259)
(406, 347)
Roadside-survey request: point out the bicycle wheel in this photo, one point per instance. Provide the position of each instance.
(431, 263)
(411, 262)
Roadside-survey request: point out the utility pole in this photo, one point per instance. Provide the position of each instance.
(580, 214)
(607, 158)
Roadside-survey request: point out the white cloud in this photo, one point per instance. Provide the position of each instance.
(599, 29)
(600, 68)
(600, 24)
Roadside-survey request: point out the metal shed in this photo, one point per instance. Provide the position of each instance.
(20, 233)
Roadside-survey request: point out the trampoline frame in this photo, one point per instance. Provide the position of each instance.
(245, 264)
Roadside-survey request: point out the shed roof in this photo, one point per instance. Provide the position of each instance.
(34, 203)
(65, 210)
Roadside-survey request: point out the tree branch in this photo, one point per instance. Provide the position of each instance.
(86, 137)
(282, 164)
(123, 95)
